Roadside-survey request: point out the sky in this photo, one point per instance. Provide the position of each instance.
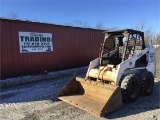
(111, 13)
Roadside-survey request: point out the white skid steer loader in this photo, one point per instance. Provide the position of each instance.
(123, 71)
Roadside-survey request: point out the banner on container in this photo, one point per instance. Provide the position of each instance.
(35, 42)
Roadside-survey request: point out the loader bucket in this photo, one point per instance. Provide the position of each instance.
(93, 97)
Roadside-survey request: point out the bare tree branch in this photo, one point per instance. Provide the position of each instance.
(13, 15)
(79, 23)
(100, 26)
(140, 26)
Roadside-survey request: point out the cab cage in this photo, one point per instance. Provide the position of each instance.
(129, 43)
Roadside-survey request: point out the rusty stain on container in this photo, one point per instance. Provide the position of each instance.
(72, 47)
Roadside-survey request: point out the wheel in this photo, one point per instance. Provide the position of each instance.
(147, 83)
(130, 87)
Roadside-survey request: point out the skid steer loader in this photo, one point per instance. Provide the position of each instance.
(124, 70)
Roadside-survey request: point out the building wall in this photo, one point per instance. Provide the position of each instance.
(72, 47)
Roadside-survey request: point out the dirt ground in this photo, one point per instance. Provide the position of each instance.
(158, 62)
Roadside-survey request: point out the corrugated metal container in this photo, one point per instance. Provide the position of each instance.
(72, 47)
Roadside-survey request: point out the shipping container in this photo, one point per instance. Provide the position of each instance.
(72, 47)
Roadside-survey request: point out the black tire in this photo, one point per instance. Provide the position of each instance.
(147, 83)
(130, 87)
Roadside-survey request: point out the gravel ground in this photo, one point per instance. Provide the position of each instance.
(38, 101)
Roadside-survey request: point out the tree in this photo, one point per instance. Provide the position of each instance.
(100, 26)
(86, 25)
(148, 36)
(140, 26)
(158, 38)
(79, 23)
(13, 15)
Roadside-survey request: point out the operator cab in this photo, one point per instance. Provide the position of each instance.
(120, 45)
